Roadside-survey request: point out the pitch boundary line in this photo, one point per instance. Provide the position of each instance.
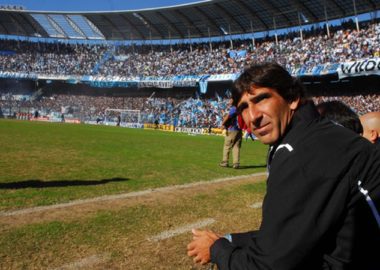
(256, 205)
(84, 262)
(124, 195)
(181, 230)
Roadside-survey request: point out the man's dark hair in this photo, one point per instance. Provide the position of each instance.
(341, 114)
(270, 75)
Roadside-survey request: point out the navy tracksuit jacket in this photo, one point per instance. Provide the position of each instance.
(315, 213)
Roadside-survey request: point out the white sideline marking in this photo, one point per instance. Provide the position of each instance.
(181, 230)
(123, 196)
(85, 262)
(256, 205)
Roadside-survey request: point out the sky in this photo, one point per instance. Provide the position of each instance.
(93, 5)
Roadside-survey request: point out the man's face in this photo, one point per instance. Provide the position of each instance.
(266, 113)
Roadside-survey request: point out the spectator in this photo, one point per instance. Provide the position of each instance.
(118, 120)
(371, 126)
(233, 137)
(341, 114)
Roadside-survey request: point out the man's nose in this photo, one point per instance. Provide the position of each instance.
(254, 114)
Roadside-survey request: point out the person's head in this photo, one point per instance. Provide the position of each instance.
(231, 102)
(267, 97)
(340, 113)
(371, 126)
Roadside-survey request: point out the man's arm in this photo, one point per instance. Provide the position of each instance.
(229, 117)
(242, 239)
(199, 248)
(202, 242)
(226, 121)
(223, 249)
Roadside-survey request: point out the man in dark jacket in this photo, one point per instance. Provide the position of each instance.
(321, 208)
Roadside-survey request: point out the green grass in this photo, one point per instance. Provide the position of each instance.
(46, 163)
(123, 232)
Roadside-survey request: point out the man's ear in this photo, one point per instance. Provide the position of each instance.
(373, 135)
(294, 104)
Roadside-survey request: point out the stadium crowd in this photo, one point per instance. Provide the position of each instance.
(163, 60)
(191, 112)
(361, 104)
(345, 44)
(184, 113)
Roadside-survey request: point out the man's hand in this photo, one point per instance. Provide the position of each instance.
(199, 248)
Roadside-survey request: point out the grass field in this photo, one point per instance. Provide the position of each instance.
(46, 164)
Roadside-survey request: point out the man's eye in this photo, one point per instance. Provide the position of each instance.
(242, 107)
(260, 98)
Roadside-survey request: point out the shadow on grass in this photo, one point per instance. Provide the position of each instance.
(61, 183)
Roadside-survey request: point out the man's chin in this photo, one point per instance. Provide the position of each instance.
(266, 139)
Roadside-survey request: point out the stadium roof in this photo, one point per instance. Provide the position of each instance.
(196, 20)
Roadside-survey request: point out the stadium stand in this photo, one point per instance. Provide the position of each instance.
(345, 45)
(181, 84)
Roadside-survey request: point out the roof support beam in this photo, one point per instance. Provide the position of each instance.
(252, 12)
(305, 10)
(132, 26)
(152, 26)
(372, 4)
(75, 26)
(170, 24)
(208, 20)
(115, 27)
(28, 22)
(335, 6)
(18, 25)
(188, 21)
(56, 26)
(5, 29)
(229, 16)
(34, 24)
(274, 10)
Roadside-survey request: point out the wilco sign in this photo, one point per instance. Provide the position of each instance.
(359, 68)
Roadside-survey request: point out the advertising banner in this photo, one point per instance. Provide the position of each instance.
(359, 68)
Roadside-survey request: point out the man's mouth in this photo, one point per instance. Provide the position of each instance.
(262, 130)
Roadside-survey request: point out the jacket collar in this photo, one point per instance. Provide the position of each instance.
(305, 114)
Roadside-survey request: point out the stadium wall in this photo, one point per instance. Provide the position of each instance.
(321, 85)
